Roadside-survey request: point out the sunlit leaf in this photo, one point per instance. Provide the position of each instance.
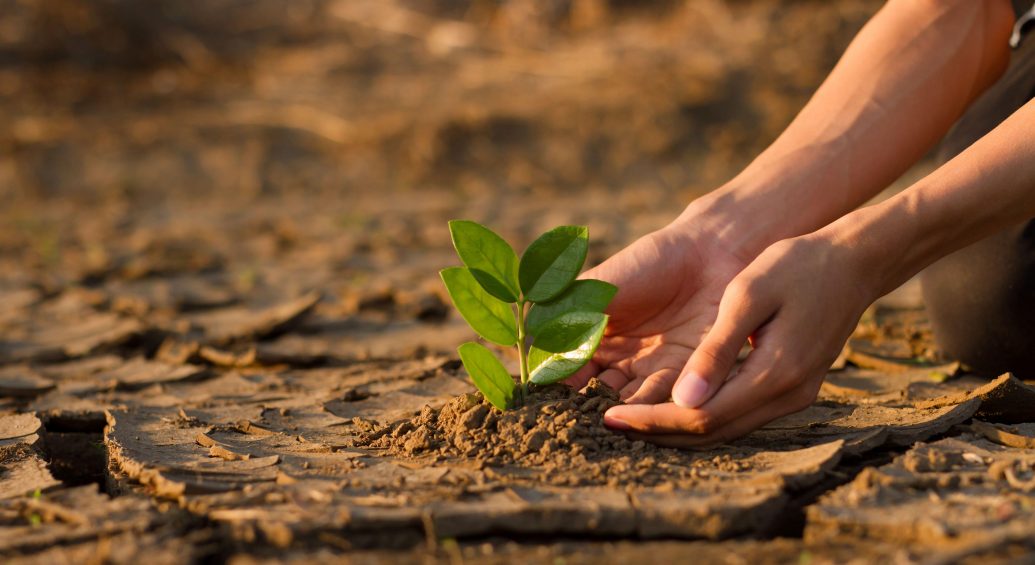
(492, 318)
(488, 374)
(588, 295)
(552, 262)
(565, 345)
(491, 260)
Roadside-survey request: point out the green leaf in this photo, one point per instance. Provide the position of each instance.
(488, 374)
(568, 331)
(588, 295)
(491, 259)
(552, 262)
(492, 318)
(564, 345)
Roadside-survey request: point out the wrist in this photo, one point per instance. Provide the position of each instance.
(878, 244)
(744, 216)
(714, 219)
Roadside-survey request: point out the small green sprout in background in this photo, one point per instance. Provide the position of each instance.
(533, 303)
(35, 519)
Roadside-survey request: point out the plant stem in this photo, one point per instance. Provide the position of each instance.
(522, 354)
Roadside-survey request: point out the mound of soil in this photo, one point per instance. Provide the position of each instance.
(559, 434)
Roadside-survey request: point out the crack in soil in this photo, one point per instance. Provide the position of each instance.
(75, 450)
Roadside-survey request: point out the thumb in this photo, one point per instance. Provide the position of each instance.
(709, 365)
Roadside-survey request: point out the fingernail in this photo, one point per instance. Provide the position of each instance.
(689, 391)
(615, 423)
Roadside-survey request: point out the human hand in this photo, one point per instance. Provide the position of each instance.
(797, 303)
(670, 283)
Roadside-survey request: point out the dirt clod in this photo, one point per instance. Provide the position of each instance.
(559, 432)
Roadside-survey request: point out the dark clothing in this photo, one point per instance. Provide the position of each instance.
(981, 299)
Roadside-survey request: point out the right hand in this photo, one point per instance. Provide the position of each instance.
(669, 283)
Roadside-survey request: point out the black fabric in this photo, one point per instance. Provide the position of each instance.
(1021, 6)
(981, 299)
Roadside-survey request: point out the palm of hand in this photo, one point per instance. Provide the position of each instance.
(670, 284)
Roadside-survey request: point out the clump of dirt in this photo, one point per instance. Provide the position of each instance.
(558, 432)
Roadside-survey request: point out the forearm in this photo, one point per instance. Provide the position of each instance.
(988, 187)
(903, 81)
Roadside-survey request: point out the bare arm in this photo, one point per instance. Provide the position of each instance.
(802, 297)
(987, 187)
(903, 81)
(691, 293)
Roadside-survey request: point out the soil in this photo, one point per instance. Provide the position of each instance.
(467, 426)
(947, 493)
(558, 433)
(223, 337)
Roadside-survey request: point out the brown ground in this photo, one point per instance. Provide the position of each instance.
(222, 337)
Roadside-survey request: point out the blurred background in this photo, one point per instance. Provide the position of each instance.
(278, 146)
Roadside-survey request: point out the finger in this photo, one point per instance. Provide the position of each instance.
(777, 372)
(741, 312)
(685, 431)
(653, 389)
(729, 432)
(660, 419)
(582, 376)
(613, 378)
(626, 265)
(764, 378)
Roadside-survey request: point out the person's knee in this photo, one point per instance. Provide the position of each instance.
(981, 304)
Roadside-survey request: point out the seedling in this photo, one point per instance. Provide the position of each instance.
(35, 519)
(533, 303)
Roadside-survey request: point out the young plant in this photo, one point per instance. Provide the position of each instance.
(533, 303)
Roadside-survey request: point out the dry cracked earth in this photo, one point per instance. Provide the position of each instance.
(223, 338)
(163, 403)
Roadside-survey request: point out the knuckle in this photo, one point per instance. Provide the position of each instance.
(706, 424)
(781, 360)
(714, 354)
(796, 246)
(662, 378)
(753, 286)
(741, 290)
(737, 286)
(786, 371)
(774, 377)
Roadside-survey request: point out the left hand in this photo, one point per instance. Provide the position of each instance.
(797, 303)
